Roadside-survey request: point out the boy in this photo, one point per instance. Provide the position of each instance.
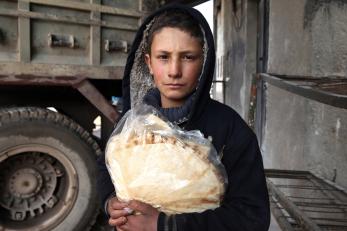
(171, 67)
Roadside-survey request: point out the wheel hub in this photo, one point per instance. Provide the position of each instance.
(30, 180)
(25, 182)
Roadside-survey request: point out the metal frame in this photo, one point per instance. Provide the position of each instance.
(11, 71)
(302, 200)
(98, 100)
(88, 7)
(310, 88)
(80, 21)
(262, 56)
(83, 85)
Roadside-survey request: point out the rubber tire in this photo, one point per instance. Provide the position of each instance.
(36, 125)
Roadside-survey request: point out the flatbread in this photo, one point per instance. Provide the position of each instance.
(158, 168)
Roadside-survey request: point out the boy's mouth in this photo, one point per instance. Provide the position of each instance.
(174, 85)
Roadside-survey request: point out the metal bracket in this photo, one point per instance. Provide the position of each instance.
(119, 45)
(62, 41)
(88, 90)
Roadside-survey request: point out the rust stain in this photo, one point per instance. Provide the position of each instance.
(26, 79)
(313, 6)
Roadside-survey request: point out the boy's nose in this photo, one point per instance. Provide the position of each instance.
(175, 69)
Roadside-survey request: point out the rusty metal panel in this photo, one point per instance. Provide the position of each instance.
(117, 55)
(94, 36)
(8, 33)
(23, 70)
(76, 52)
(121, 4)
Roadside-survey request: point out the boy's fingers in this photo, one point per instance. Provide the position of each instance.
(114, 203)
(114, 214)
(140, 207)
(118, 221)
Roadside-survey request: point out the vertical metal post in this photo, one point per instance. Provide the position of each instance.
(95, 37)
(24, 43)
(261, 68)
(260, 109)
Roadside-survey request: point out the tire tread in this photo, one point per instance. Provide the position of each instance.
(14, 114)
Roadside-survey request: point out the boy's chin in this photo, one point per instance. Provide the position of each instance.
(178, 97)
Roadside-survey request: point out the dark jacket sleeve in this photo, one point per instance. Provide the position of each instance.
(104, 184)
(245, 206)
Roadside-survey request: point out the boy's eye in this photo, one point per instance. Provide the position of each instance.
(163, 57)
(188, 57)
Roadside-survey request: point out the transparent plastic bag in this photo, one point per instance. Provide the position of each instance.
(154, 161)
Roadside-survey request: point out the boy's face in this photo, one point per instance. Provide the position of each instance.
(175, 62)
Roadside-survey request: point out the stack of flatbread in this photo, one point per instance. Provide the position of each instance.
(148, 161)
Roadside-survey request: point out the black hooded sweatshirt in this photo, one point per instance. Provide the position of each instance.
(245, 206)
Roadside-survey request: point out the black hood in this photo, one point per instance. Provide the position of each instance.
(137, 80)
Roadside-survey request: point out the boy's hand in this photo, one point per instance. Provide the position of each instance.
(116, 211)
(146, 220)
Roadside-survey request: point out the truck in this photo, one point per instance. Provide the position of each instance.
(61, 63)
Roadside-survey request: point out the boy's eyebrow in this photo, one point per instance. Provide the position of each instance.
(162, 51)
(181, 52)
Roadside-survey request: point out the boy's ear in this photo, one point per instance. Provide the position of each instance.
(148, 62)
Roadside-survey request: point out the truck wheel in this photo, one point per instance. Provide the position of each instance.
(47, 171)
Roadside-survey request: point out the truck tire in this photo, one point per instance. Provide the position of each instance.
(47, 171)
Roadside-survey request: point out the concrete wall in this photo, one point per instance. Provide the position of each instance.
(301, 134)
(236, 52)
(308, 38)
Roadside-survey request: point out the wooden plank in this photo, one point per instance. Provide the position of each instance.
(29, 70)
(73, 20)
(95, 34)
(24, 33)
(88, 7)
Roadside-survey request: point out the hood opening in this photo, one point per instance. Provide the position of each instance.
(137, 78)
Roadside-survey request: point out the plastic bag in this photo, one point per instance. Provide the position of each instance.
(151, 160)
